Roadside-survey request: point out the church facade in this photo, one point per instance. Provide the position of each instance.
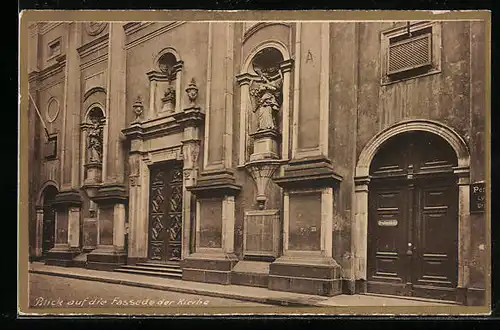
(312, 157)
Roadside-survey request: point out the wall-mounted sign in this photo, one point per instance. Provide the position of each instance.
(388, 223)
(477, 197)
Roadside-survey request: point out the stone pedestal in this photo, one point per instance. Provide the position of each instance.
(110, 252)
(306, 274)
(214, 256)
(93, 173)
(67, 236)
(307, 265)
(265, 145)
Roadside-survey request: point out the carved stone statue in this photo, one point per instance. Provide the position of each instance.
(95, 141)
(267, 96)
(168, 99)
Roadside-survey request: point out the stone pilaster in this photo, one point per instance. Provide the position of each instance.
(216, 188)
(112, 196)
(68, 202)
(39, 232)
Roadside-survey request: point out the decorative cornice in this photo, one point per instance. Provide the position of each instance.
(148, 36)
(46, 27)
(215, 184)
(305, 173)
(54, 69)
(111, 194)
(190, 117)
(93, 46)
(156, 127)
(67, 198)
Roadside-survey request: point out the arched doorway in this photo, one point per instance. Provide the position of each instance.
(49, 219)
(412, 246)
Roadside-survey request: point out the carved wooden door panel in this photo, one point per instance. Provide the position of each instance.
(165, 212)
(436, 239)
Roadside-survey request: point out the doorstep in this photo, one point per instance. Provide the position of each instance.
(239, 292)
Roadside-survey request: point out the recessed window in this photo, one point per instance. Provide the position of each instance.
(411, 51)
(54, 48)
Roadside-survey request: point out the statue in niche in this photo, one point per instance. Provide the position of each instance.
(95, 140)
(169, 99)
(266, 94)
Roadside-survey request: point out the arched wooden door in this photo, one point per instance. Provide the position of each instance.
(413, 218)
(49, 219)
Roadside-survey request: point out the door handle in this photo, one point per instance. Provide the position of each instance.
(409, 251)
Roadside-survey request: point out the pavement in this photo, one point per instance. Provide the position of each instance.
(236, 292)
(47, 291)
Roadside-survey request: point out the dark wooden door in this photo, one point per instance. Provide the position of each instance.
(413, 220)
(435, 251)
(165, 212)
(49, 220)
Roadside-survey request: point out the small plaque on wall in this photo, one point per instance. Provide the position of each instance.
(477, 197)
(51, 148)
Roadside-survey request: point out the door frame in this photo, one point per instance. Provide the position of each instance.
(359, 231)
(40, 216)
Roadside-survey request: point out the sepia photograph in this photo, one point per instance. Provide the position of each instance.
(197, 162)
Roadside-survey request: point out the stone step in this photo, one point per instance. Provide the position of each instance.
(149, 272)
(153, 268)
(169, 265)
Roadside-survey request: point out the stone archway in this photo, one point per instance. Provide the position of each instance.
(362, 179)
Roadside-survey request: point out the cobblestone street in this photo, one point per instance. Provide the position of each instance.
(51, 291)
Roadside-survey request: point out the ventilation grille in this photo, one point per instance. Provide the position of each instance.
(410, 54)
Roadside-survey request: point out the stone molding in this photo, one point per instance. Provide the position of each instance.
(215, 184)
(111, 194)
(314, 172)
(67, 198)
(453, 138)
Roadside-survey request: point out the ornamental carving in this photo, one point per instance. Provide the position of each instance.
(261, 172)
(95, 136)
(168, 99)
(266, 95)
(95, 28)
(266, 88)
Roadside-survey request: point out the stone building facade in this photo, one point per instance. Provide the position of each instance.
(312, 157)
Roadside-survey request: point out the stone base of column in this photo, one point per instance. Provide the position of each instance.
(106, 258)
(318, 276)
(471, 296)
(61, 256)
(209, 267)
(350, 286)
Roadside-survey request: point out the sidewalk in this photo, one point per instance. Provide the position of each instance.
(245, 293)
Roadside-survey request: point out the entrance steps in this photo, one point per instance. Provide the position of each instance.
(169, 270)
